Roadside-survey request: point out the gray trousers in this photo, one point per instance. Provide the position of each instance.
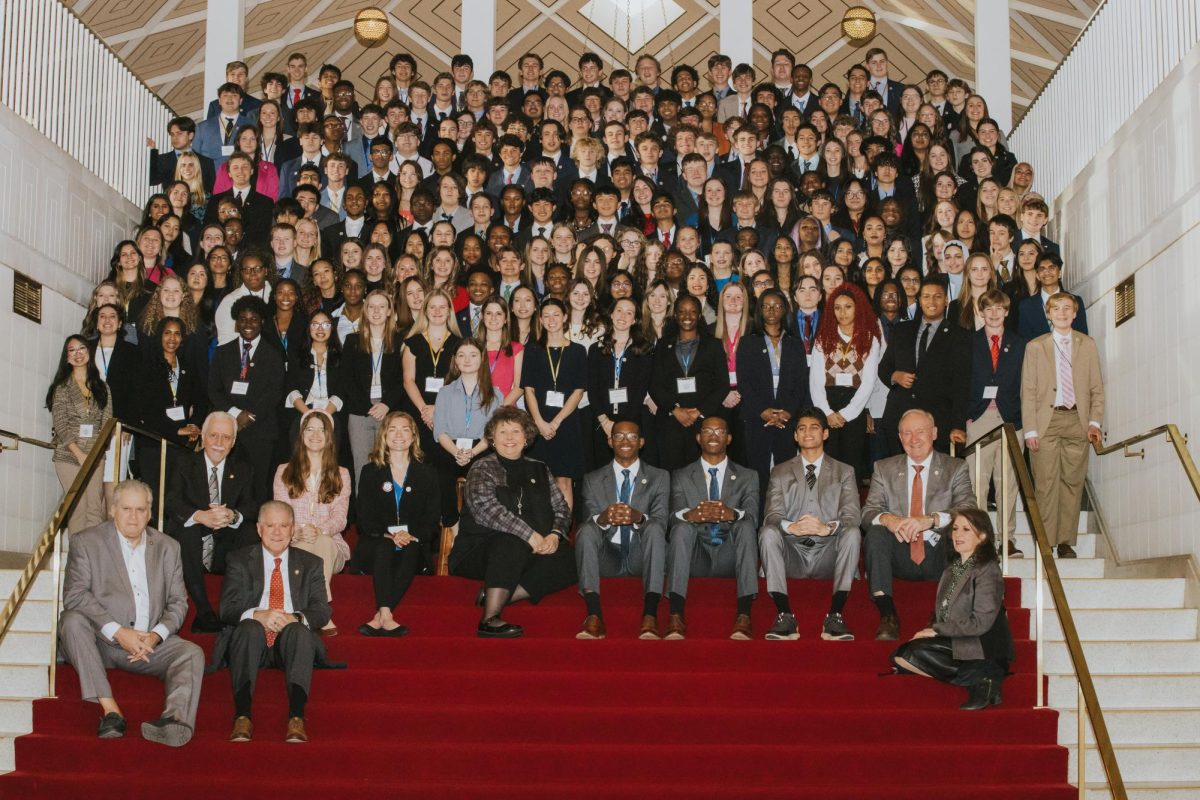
(888, 558)
(785, 556)
(294, 652)
(596, 557)
(177, 662)
(689, 553)
(362, 431)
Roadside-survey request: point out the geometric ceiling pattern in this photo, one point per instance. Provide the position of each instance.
(162, 41)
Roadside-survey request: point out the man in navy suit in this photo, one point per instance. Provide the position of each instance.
(1031, 313)
(888, 89)
(237, 74)
(255, 209)
(215, 137)
(513, 170)
(997, 355)
(182, 132)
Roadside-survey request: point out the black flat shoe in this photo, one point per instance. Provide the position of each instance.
(394, 633)
(367, 630)
(496, 628)
(979, 696)
(995, 698)
(111, 727)
(479, 599)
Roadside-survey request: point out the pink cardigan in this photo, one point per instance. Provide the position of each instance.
(329, 517)
(267, 182)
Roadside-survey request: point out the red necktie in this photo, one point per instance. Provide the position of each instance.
(916, 508)
(995, 352)
(666, 240)
(746, 176)
(245, 360)
(295, 96)
(275, 599)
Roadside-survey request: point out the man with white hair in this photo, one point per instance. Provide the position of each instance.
(124, 602)
(210, 511)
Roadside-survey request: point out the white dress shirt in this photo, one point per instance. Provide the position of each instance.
(940, 518)
(135, 568)
(704, 468)
(264, 602)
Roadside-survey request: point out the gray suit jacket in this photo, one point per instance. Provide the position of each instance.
(837, 494)
(739, 490)
(975, 620)
(947, 487)
(97, 583)
(651, 494)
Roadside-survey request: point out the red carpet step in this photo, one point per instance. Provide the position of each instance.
(441, 714)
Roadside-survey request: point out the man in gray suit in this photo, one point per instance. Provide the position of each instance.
(124, 600)
(714, 527)
(908, 513)
(810, 528)
(625, 530)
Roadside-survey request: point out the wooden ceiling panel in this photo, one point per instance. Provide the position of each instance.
(168, 51)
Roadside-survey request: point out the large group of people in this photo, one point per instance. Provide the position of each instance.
(580, 327)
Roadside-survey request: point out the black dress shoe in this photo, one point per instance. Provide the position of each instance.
(979, 696)
(1066, 551)
(394, 633)
(479, 599)
(995, 698)
(111, 727)
(207, 623)
(367, 630)
(496, 628)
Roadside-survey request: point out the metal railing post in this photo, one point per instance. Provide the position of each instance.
(55, 612)
(1002, 506)
(1040, 632)
(1080, 711)
(162, 479)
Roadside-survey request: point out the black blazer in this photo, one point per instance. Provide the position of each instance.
(754, 377)
(297, 337)
(243, 586)
(154, 398)
(1006, 377)
(635, 378)
(264, 395)
(943, 378)
(162, 168)
(356, 372)
(709, 369)
(1032, 322)
(257, 209)
(301, 373)
(333, 236)
(124, 365)
(420, 510)
(187, 491)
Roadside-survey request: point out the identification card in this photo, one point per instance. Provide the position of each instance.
(175, 413)
(808, 360)
(376, 393)
(733, 378)
(616, 396)
(464, 444)
(397, 529)
(584, 401)
(685, 385)
(933, 538)
(227, 150)
(434, 384)
(87, 431)
(844, 379)
(989, 392)
(555, 399)
(240, 387)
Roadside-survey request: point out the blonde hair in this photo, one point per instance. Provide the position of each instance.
(379, 451)
(196, 184)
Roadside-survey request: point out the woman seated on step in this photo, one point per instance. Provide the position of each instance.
(513, 531)
(968, 642)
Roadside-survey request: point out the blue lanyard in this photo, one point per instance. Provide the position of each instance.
(618, 364)
(686, 361)
(376, 364)
(398, 495)
(470, 408)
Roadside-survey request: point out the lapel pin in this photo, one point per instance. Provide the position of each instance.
(408, 488)
(387, 486)
(643, 481)
(232, 476)
(733, 477)
(296, 572)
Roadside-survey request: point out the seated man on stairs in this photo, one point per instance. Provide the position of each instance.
(908, 512)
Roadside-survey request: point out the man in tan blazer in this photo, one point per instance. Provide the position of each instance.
(1062, 405)
(908, 513)
(125, 600)
(811, 527)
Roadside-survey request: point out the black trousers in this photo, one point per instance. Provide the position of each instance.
(191, 555)
(392, 570)
(848, 443)
(294, 652)
(888, 559)
(149, 460)
(257, 445)
(935, 657)
(504, 561)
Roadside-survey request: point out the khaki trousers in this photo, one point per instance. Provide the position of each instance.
(331, 560)
(1059, 469)
(89, 511)
(991, 465)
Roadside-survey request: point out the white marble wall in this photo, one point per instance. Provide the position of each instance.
(58, 224)
(1135, 209)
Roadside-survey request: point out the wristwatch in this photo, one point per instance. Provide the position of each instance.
(298, 616)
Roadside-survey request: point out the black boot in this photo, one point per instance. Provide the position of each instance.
(980, 695)
(995, 698)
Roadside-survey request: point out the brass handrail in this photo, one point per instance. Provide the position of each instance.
(1177, 439)
(17, 439)
(1087, 701)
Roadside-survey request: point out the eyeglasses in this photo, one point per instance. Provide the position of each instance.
(320, 326)
(890, 296)
(626, 437)
(763, 284)
(713, 431)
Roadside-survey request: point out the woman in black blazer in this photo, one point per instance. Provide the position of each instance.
(315, 383)
(172, 402)
(618, 394)
(398, 509)
(968, 642)
(773, 380)
(371, 375)
(689, 382)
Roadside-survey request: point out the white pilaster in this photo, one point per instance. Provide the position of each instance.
(993, 68)
(223, 37)
(479, 35)
(737, 30)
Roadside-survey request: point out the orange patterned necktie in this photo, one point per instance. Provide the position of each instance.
(275, 599)
(916, 508)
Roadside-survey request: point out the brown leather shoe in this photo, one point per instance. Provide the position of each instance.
(889, 628)
(742, 629)
(243, 730)
(649, 629)
(296, 733)
(593, 628)
(676, 627)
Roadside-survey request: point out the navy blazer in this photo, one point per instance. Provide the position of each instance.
(754, 377)
(1032, 322)
(1006, 377)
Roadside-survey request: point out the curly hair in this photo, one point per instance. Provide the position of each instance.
(866, 324)
(511, 414)
(154, 312)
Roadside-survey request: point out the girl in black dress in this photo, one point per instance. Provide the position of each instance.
(428, 351)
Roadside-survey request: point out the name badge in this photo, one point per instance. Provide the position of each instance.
(555, 399)
(732, 377)
(808, 359)
(464, 444)
(685, 385)
(397, 529)
(376, 393)
(434, 385)
(87, 431)
(175, 413)
(933, 538)
(616, 396)
(584, 401)
(989, 392)
(227, 150)
(844, 379)
(240, 387)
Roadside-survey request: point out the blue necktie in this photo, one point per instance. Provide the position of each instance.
(714, 493)
(625, 530)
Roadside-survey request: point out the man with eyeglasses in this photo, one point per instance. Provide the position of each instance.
(625, 529)
(714, 528)
(1031, 313)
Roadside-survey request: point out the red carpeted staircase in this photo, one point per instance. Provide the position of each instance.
(441, 714)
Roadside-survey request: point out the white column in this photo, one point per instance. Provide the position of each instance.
(737, 30)
(993, 67)
(479, 35)
(224, 26)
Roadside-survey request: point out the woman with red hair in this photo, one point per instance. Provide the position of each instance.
(845, 362)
